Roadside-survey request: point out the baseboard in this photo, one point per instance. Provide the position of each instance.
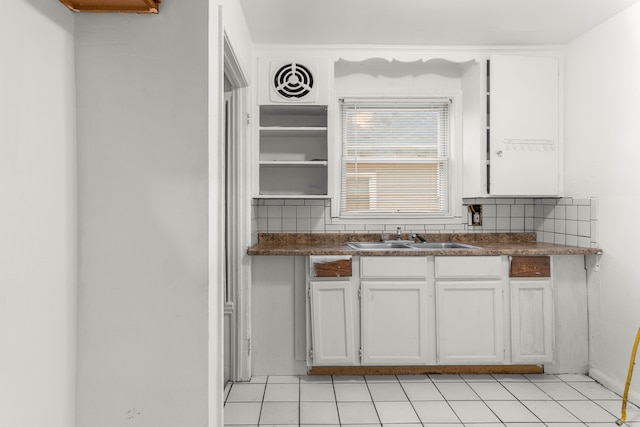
(613, 385)
(417, 370)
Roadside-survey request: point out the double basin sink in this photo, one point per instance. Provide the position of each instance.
(391, 245)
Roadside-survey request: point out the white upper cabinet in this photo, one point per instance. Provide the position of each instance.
(523, 144)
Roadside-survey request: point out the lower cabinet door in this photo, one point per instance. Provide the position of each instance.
(532, 324)
(470, 322)
(394, 322)
(332, 323)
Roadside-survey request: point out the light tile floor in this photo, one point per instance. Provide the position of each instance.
(425, 400)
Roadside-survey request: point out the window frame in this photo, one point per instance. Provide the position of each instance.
(454, 208)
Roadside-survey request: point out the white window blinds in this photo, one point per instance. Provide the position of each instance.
(395, 157)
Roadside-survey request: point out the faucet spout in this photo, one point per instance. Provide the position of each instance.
(398, 234)
(419, 237)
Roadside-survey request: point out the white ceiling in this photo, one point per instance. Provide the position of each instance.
(425, 22)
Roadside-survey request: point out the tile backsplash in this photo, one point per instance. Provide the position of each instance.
(571, 221)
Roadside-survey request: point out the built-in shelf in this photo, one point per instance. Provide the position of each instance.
(292, 158)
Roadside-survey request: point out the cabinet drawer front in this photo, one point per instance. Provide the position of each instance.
(393, 266)
(468, 267)
(530, 266)
(330, 266)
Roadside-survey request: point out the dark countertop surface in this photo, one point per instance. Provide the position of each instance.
(303, 244)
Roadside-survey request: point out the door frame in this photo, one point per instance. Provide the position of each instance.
(238, 232)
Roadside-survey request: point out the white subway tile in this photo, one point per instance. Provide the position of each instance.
(571, 240)
(517, 225)
(508, 201)
(523, 201)
(584, 242)
(503, 224)
(274, 212)
(317, 211)
(504, 211)
(529, 211)
(489, 211)
(584, 213)
(334, 227)
(289, 212)
(304, 211)
(517, 211)
(274, 225)
(528, 224)
(289, 225)
(584, 228)
(538, 211)
(595, 213)
(304, 224)
(548, 225)
(262, 212)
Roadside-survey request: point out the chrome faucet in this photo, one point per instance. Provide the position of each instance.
(419, 237)
(398, 234)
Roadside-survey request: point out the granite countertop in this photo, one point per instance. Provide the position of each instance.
(335, 244)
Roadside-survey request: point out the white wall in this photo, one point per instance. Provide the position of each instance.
(38, 188)
(143, 134)
(602, 108)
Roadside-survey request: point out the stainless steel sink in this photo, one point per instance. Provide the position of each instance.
(393, 246)
(442, 245)
(379, 246)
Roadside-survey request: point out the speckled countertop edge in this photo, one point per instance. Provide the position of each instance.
(302, 244)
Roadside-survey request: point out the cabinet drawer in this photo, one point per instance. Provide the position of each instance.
(473, 267)
(330, 266)
(395, 266)
(530, 266)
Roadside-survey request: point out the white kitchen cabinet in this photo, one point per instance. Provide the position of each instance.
(470, 322)
(333, 321)
(523, 138)
(469, 310)
(532, 309)
(293, 152)
(532, 326)
(394, 322)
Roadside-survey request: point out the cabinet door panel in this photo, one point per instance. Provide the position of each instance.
(469, 322)
(524, 126)
(332, 322)
(394, 322)
(531, 321)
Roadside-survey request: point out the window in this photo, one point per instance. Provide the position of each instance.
(395, 158)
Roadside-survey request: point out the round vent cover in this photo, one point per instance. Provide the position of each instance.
(293, 81)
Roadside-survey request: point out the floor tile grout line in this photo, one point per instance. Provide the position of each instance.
(335, 397)
(410, 401)
(264, 392)
(373, 402)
